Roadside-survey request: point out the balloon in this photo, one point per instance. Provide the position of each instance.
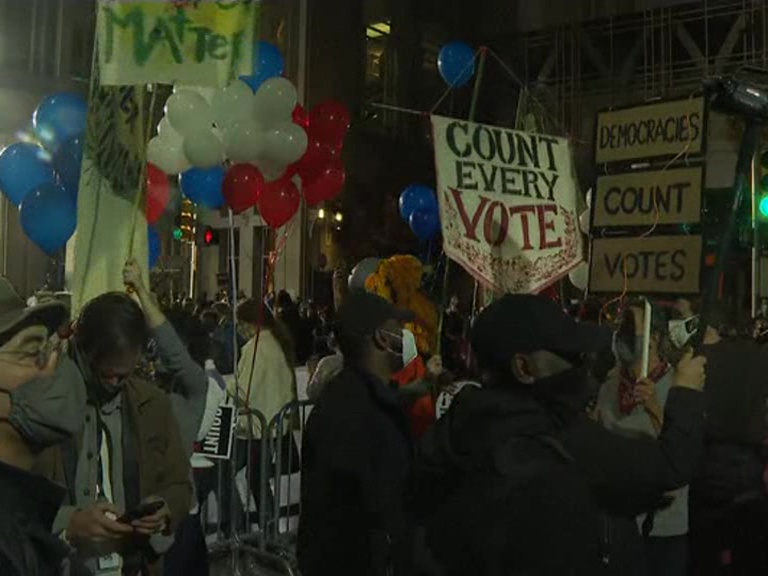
(317, 157)
(206, 92)
(158, 193)
(584, 222)
(204, 186)
(22, 169)
(204, 149)
(330, 122)
(326, 186)
(188, 112)
(154, 246)
(360, 273)
(68, 163)
(300, 116)
(417, 197)
(49, 217)
(270, 170)
(232, 104)
(456, 63)
(167, 153)
(60, 117)
(286, 144)
(268, 62)
(579, 276)
(279, 202)
(243, 187)
(243, 142)
(425, 224)
(274, 102)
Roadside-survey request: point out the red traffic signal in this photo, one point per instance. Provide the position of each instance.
(210, 236)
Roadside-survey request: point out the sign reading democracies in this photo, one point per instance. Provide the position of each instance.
(507, 204)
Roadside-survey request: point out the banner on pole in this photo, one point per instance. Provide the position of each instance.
(508, 204)
(196, 42)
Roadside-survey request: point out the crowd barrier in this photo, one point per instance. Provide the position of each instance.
(252, 509)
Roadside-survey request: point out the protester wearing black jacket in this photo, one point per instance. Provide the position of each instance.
(357, 453)
(515, 479)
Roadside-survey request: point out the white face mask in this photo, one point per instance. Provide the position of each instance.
(681, 331)
(410, 350)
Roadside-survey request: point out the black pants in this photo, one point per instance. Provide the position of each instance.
(667, 556)
(189, 554)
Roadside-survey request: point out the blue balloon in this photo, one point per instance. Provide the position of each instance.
(59, 118)
(456, 63)
(49, 217)
(204, 186)
(23, 167)
(268, 62)
(425, 224)
(68, 163)
(154, 246)
(417, 197)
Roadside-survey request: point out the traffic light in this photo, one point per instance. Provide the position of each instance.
(762, 193)
(210, 236)
(177, 233)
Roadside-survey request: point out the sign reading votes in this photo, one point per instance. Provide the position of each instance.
(667, 264)
(650, 131)
(648, 198)
(197, 42)
(507, 204)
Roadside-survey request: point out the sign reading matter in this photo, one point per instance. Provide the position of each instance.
(650, 131)
(666, 264)
(648, 198)
(198, 42)
(507, 204)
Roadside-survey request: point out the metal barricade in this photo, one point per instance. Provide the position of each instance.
(286, 431)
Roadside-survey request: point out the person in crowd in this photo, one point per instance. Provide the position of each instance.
(633, 406)
(224, 339)
(182, 349)
(451, 337)
(516, 479)
(127, 472)
(357, 452)
(42, 401)
(728, 503)
(288, 313)
(326, 370)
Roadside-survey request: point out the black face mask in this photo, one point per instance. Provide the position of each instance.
(567, 393)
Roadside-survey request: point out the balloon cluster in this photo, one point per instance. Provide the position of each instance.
(418, 207)
(42, 178)
(255, 127)
(456, 63)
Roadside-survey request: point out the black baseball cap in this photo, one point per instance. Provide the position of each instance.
(361, 313)
(520, 323)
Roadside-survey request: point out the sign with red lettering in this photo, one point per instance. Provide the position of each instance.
(659, 264)
(650, 131)
(507, 204)
(649, 198)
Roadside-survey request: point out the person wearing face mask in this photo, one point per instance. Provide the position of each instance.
(126, 470)
(42, 399)
(517, 479)
(357, 451)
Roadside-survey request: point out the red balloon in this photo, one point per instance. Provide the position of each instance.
(329, 122)
(318, 157)
(326, 186)
(300, 116)
(243, 186)
(158, 193)
(279, 202)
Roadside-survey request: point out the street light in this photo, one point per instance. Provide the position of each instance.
(339, 217)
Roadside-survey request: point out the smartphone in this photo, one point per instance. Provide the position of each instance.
(143, 510)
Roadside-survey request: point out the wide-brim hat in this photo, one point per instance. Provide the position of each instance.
(15, 315)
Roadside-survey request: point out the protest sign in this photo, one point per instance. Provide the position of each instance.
(650, 131)
(660, 264)
(507, 204)
(648, 198)
(196, 42)
(218, 442)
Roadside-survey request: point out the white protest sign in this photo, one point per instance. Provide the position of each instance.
(508, 204)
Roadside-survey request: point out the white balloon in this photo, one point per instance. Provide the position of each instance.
(579, 276)
(270, 170)
(286, 145)
(188, 112)
(165, 130)
(243, 142)
(167, 154)
(274, 102)
(204, 149)
(233, 103)
(206, 92)
(584, 222)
